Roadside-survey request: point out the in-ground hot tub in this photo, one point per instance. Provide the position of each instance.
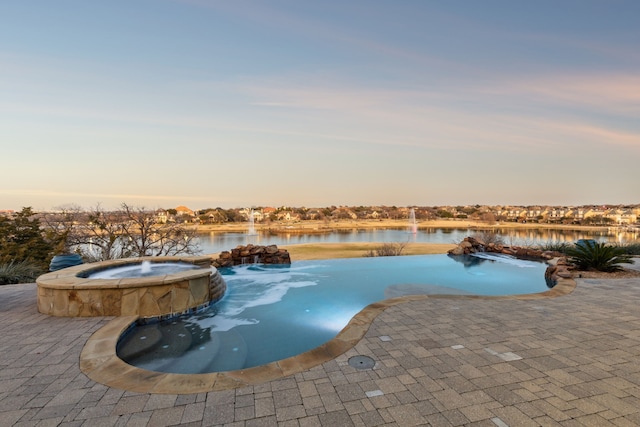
(80, 291)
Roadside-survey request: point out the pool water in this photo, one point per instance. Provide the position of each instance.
(274, 312)
(144, 269)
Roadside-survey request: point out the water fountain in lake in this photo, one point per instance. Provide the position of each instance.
(413, 225)
(251, 231)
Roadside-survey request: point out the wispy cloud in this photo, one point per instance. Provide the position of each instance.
(608, 93)
(530, 111)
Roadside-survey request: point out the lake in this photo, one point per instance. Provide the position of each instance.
(214, 242)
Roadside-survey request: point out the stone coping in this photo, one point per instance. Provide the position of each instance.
(70, 278)
(100, 362)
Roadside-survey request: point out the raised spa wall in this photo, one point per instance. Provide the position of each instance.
(65, 293)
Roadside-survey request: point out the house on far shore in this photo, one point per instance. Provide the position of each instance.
(314, 214)
(287, 215)
(558, 214)
(183, 210)
(268, 211)
(162, 216)
(621, 216)
(258, 215)
(516, 214)
(373, 215)
(536, 213)
(343, 212)
(185, 214)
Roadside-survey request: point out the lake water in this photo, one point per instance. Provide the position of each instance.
(215, 242)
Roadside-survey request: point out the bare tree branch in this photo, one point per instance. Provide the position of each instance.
(127, 232)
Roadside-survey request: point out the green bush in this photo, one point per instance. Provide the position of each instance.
(592, 255)
(22, 238)
(19, 272)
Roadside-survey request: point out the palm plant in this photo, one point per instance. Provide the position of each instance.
(592, 255)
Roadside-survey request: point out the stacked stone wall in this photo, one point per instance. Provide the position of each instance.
(252, 254)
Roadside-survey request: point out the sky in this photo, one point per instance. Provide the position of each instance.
(245, 103)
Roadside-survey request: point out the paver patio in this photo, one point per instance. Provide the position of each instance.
(566, 361)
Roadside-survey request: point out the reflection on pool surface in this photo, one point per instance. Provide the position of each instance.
(274, 312)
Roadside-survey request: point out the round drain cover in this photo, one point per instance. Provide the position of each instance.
(362, 362)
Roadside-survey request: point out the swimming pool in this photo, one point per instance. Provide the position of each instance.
(273, 312)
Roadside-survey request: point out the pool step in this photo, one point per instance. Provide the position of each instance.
(232, 352)
(140, 342)
(175, 342)
(195, 360)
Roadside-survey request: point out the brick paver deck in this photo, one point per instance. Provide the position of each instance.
(566, 361)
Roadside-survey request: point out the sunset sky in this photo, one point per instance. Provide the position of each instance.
(207, 103)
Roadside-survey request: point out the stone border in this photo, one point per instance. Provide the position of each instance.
(99, 361)
(69, 293)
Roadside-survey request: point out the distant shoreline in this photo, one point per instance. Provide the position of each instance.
(312, 227)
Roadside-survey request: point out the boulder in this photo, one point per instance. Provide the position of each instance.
(456, 251)
(271, 249)
(252, 254)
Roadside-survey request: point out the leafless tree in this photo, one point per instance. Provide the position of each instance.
(142, 235)
(127, 232)
(61, 227)
(488, 218)
(101, 235)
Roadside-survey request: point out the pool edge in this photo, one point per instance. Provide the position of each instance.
(99, 362)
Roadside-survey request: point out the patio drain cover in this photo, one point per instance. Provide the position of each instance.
(362, 362)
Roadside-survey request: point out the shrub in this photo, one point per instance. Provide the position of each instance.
(19, 272)
(632, 248)
(387, 249)
(487, 237)
(561, 247)
(21, 238)
(592, 255)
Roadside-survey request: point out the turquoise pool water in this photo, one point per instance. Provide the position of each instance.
(274, 312)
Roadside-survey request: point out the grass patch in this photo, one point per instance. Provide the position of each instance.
(313, 251)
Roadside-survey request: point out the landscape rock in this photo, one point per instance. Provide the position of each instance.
(252, 254)
(472, 245)
(458, 250)
(560, 268)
